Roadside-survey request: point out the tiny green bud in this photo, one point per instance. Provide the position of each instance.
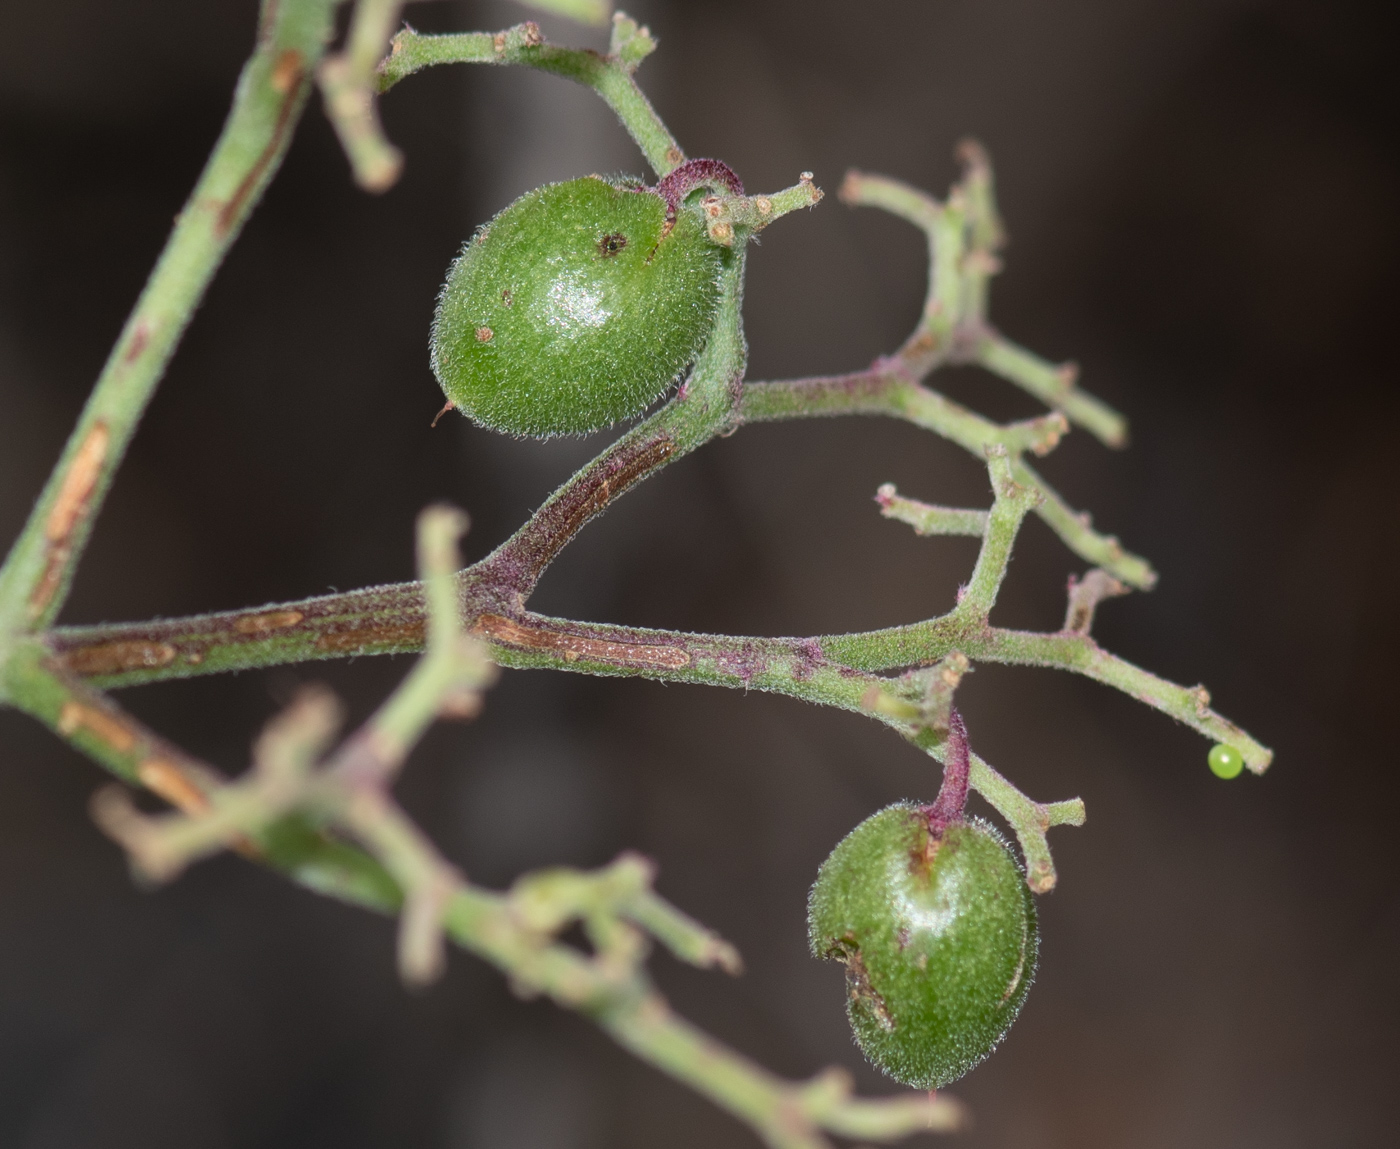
(939, 937)
(1225, 761)
(577, 306)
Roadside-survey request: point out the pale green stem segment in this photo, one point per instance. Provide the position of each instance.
(1052, 384)
(727, 215)
(610, 76)
(349, 82)
(1029, 819)
(287, 810)
(964, 234)
(269, 99)
(1013, 502)
(927, 519)
(455, 666)
(885, 390)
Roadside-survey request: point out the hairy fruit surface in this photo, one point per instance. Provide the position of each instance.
(577, 306)
(939, 939)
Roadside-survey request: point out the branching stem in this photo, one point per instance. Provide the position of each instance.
(299, 810)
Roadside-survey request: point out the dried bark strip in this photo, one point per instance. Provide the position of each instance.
(70, 508)
(114, 657)
(573, 647)
(405, 634)
(269, 621)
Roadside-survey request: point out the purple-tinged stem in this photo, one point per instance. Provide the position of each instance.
(947, 808)
(692, 174)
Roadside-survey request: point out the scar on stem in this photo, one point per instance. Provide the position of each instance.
(114, 657)
(287, 75)
(574, 647)
(69, 508)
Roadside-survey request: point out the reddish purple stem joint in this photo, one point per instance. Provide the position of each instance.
(692, 174)
(947, 808)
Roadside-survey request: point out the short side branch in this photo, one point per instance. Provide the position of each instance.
(610, 76)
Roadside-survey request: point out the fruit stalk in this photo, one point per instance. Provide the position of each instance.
(947, 808)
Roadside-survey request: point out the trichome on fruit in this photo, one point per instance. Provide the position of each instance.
(577, 306)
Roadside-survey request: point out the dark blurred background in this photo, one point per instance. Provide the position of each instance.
(1202, 201)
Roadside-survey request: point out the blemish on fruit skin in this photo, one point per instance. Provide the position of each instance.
(571, 255)
(484, 334)
(1020, 968)
(862, 992)
(611, 244)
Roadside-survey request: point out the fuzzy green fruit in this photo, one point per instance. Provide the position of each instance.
(577, 306)
(939, 939)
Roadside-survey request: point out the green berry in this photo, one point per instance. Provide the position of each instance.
(1225, 761)
(938, 935)
(577, 306)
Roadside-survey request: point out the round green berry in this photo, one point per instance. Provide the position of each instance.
(1225, 761)
(939, 937)
(577, 306)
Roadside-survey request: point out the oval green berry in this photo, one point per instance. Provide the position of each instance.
(577, 306)
(938, 935)
(1225, 761)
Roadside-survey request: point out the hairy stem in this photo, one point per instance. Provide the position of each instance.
(348, 82)
(947, 808)
(927, 519)
(1029, 819)
(832, 670)
(610, 76)
(269, 99)
(1054, 385)
(884, 390)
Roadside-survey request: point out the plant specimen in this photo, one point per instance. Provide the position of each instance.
(322, 811)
